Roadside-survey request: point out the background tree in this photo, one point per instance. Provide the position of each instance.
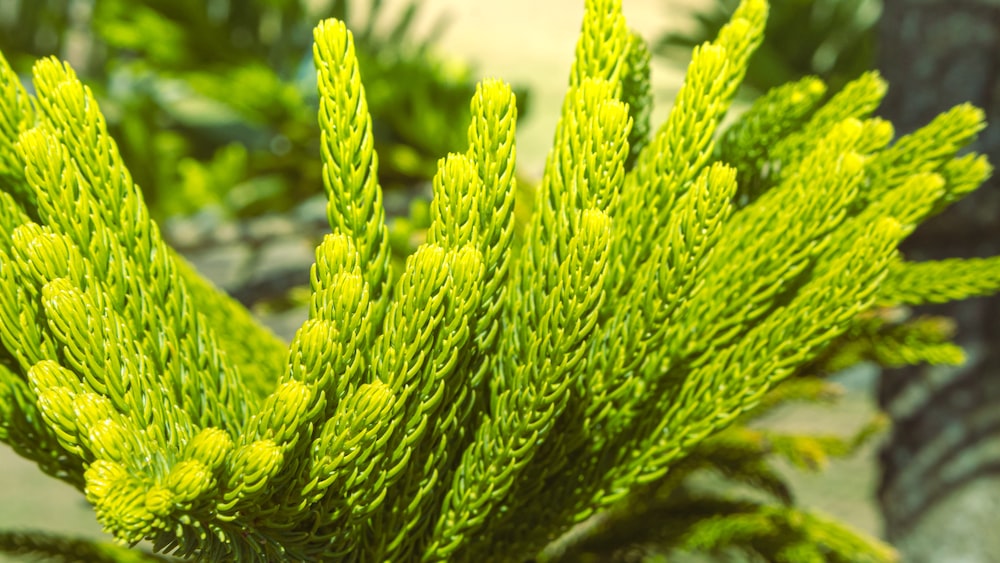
(940, 489)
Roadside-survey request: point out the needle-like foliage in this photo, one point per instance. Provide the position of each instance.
(487, 397)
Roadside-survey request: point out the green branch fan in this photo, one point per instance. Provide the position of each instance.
(494, 392)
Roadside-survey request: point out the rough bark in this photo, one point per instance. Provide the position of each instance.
(940, 487)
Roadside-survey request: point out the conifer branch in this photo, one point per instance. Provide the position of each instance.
(350, 165)
(939, 281)
(492, 397)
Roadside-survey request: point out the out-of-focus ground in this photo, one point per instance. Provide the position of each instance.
(527, 42)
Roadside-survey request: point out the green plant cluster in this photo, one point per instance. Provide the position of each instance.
(213, 103)
(477, 403)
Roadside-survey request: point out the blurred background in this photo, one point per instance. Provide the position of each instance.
(213, 105)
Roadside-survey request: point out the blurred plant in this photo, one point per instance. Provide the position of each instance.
(832, 39)
(213, 103)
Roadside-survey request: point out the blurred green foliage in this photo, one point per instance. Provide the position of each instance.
(832, 39)
(214, 102)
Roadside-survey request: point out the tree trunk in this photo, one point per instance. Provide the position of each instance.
(940, 487)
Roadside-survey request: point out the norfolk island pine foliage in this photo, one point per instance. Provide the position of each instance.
(493, 392)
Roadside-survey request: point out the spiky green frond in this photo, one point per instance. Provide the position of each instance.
(529, 398)
(603, 31)
(940, 281)
(130, 257)
(857, 100)
(17, 114)
(748, 144)
(432, 380)
(492, 150)
(491, 397)
(684, 143)
(866, 265)
(350, 165)
(258, 354)
(927, 149)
